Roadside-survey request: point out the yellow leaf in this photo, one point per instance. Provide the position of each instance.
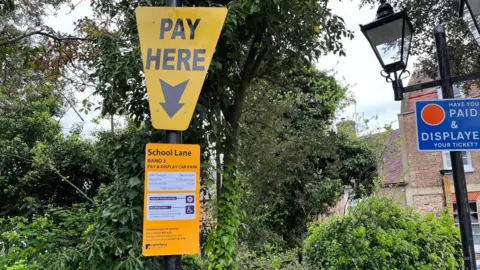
(316, 28)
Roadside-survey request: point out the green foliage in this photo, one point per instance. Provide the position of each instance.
(19, 265)
(113, 237)
(357, 166)
(222, 240)
(31, 145)
(104, 237)
(283, 207)
(260, 41)
(192, 262)
(33, 55)
(294, 167)
(268, 257)
(379, 234)
(263, 44)
(259, 26)
(20, 13)
(109, 169)
(33, 243)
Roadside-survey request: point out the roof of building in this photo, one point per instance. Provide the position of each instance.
(388, 147)
(392, 160)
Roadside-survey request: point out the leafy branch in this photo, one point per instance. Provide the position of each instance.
(42, 33)
(60, 175)
(72, 185)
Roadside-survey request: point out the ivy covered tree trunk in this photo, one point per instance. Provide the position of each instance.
(222, 242)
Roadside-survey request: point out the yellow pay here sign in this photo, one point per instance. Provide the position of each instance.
(177, 46)
(171, 215)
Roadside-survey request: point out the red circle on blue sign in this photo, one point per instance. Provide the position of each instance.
(433, 114)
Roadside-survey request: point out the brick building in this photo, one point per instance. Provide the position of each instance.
(426, 187)
(429, 189)
(422, 179)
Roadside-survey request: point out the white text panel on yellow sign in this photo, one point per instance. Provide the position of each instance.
(177, 46)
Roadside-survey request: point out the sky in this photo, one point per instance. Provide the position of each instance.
(359, 68)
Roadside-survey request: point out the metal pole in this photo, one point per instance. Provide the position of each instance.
(461, 194)
(174, 3)
(173, 262)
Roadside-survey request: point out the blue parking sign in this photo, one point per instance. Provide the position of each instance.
(448, 124)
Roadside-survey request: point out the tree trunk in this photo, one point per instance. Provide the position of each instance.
(228, 199)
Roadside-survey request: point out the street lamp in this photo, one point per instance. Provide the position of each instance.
(390, 36)
(471, 15)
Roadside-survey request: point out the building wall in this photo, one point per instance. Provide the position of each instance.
(424, 188)
(429, 203)
(423, 167)
(421, 184)
(474, 177)
(425, 183)
(396, 193)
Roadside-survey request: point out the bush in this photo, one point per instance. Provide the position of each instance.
(268, 258)
(192, 262)
(379, 234)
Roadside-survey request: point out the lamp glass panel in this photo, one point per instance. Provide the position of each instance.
(467, 17)
(475, 6)
(407, 41)
(387, 40)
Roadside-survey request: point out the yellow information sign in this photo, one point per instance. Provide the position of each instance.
(171, 213)
(177, 46)
(447, 190)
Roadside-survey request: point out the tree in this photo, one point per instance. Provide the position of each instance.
(292, 165)
(35, 87)
(261, 39)
(33, 54)
(39, 166)
(379, 234)
(46, 176)
(86, 235)
(262, 42)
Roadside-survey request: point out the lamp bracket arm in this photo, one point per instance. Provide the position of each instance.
(456, 79)
(467, 77)
(422, 86)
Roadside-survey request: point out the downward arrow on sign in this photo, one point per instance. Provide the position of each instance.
(172, 95)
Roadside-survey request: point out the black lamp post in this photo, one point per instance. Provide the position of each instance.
(390, 36)
(470, 11)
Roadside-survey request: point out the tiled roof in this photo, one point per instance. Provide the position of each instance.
(390, 165)
(392, 160)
